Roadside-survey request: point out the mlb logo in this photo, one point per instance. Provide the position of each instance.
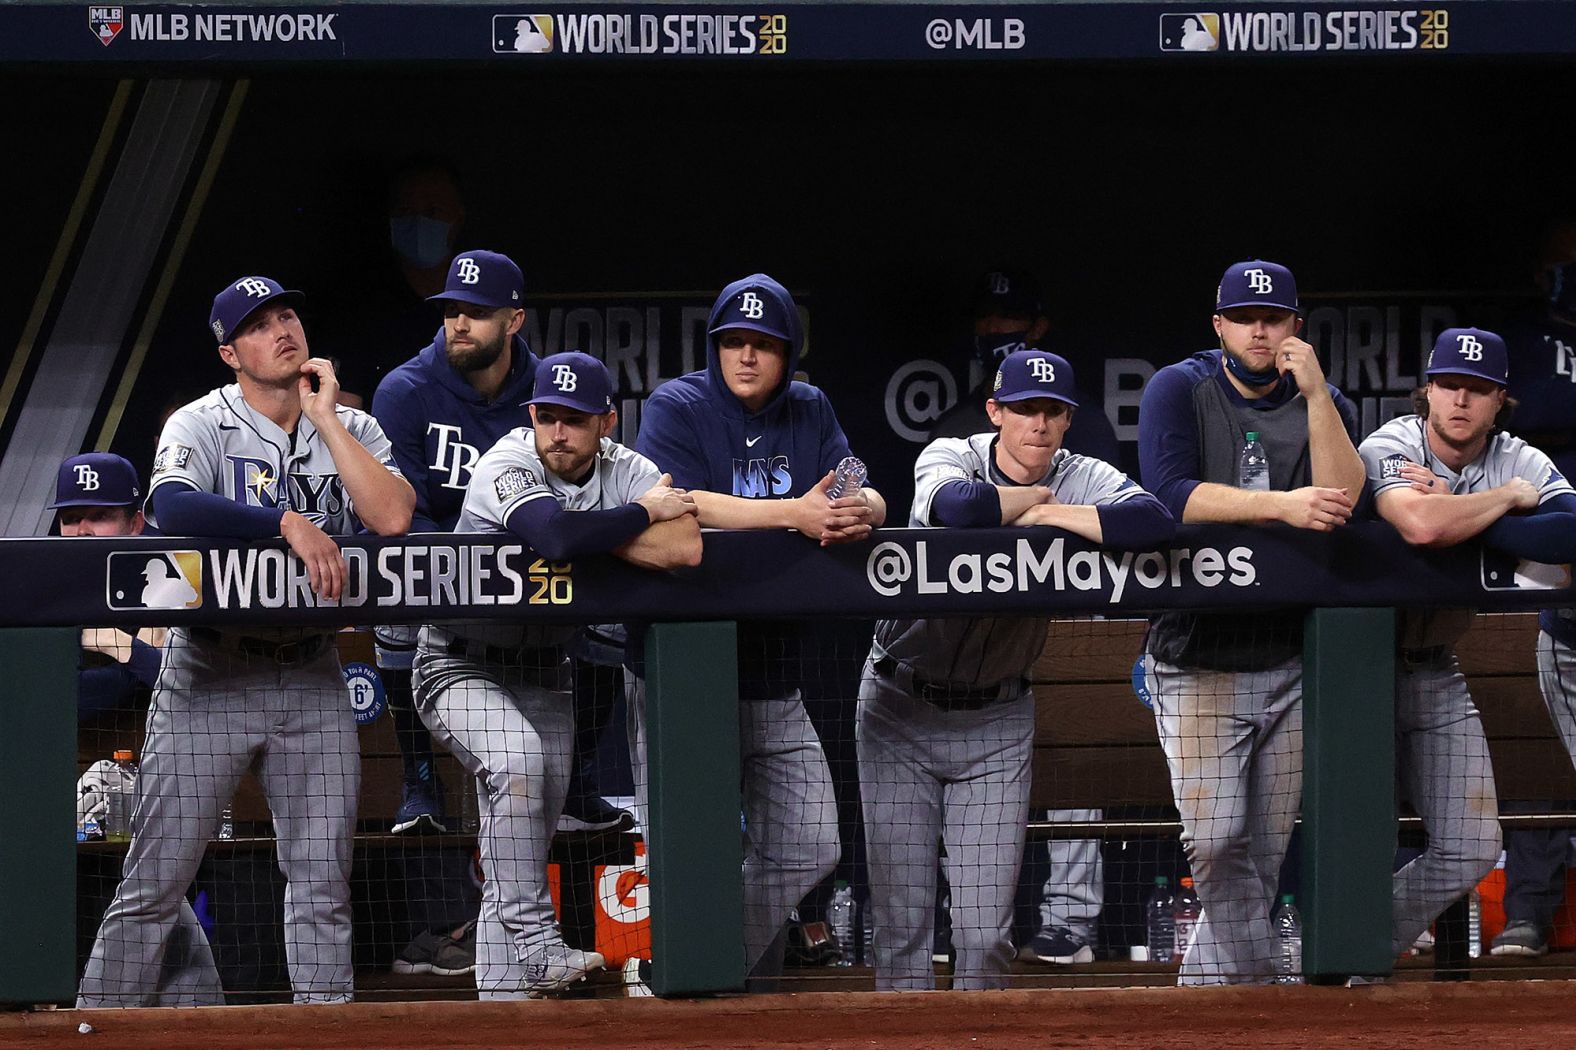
(1190, 32)
(155, 580)
(522, 34)
(106, 23)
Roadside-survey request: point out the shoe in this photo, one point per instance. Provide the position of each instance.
(637, 978)
(1520, 938)
(557, 966)
(1056, 947)
(455, 956)
(941, 945)
(419, 809)
(1424, 943)
(810, 944)
(594, 813)
(416, 957)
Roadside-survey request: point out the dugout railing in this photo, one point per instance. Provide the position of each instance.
(1349, 582)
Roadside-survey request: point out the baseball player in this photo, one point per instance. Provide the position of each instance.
(98, 494)
(1009, 315)
(497, 695)
(441, 410)
(757, 449)
(1440, 477)
(946, 715)
(269, 455)
(1542, 361)
(1228, 687)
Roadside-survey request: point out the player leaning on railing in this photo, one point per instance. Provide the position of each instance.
(271, 455)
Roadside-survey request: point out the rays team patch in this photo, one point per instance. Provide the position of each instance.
(171, 457)
(1390, 466)
(155, 580)
(368, 697)
(513, 482)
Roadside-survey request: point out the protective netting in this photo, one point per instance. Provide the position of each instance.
(304, 822)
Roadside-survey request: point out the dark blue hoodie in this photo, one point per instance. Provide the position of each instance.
(440, 426)
(694, 428)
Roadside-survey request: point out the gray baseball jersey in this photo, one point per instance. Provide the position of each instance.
(970, 651)
(1405, 440)
(219, 443)
(511, 474)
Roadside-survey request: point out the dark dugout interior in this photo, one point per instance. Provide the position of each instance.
(879, 192)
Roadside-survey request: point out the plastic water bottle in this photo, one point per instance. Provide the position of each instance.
(840, 913)
(1185, 913)
(1160, 926)
(121, 798)
(227, 823)
(850, 478)
(1474, 925)
(1253, 469)
(1287, 923)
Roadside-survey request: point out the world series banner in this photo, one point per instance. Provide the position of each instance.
(755, 575)
(530, 35)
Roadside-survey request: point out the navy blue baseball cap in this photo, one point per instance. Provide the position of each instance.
(1009, 293)
(1034, 373)
(756, 310)
(96, 479)
(240, 298)
(483, 279)
(1257, 283)
(574, 380)
(1469, 352)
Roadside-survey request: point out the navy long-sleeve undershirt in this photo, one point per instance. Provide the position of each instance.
(560, 535)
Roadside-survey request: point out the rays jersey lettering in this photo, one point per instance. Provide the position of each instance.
(762, 478)
(256, 483)
(452, 457)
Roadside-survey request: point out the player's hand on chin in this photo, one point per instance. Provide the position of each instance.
(1312, 507)
(1300, 359)
(325, 565)
(318, 405)
(663, 502)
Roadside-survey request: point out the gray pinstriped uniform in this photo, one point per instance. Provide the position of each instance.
(937, 768)
(218, 710)
(511, 722)
(1443, 754)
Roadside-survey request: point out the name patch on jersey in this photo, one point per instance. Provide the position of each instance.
(1390, 466)
(171, 457)
(512, 482)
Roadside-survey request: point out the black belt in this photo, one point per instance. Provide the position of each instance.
(1427, 655)
(297, 652)
(946, 696)
(518, 656)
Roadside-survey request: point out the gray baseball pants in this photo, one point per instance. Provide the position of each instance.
(215, 713)
(1233, 743)
(1074, 891)
(928, 775)
(790, 813)
(512, 726)
(1445, 771)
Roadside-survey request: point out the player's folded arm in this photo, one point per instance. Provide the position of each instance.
(561, 535)
(962, 504)
(1546, 534)
(183, 511)
(1138, 522)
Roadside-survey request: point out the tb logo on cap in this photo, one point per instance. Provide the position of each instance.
(1470, 346)
(1258, 281)
(87, 478)
(253, 286)
(999, 284)
(468, 271)
(751, 306)
(1042, 370)
(564, 378)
